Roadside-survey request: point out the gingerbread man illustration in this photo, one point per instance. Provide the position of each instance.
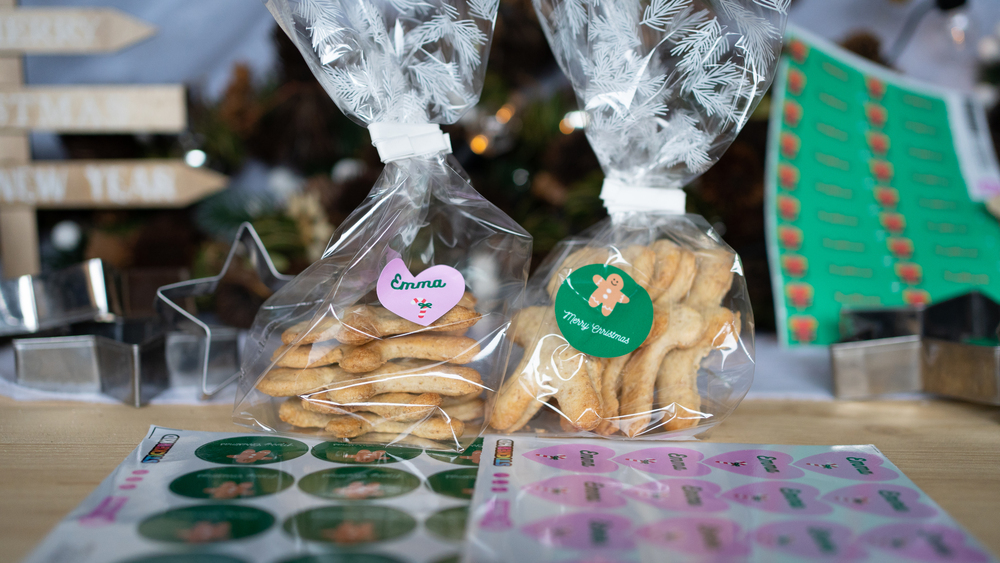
(250, 456)
(608, 293)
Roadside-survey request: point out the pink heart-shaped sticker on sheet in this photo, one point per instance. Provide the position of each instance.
(702, 535)
(858, 466)
(423, 298)
(689, 495)
(583, 530)
(764, 464)
(810, 539)
(923, 542)
(782, 497)
(675, 462)
(894, 501)
(592, 491)
(582, 459)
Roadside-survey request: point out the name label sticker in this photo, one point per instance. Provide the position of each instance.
(423, 298)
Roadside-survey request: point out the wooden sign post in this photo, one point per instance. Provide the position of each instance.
(25, 185)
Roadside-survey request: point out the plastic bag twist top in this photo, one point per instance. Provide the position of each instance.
(396, 61)
(667, 84)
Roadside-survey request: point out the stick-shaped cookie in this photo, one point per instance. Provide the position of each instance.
(396, 439)
(610, 386)
(677, 380)
(525, 323)
(391, 406)
(292, 412)
(311, 355)
(288, 382)
(578, 259)
(408, 376)
(364, 324)
(361, 423)
(469, 410)
(579, 399)
(713, 280)
(687, 268)
(640, 263)
(424, 346)
(459, 399)
(668, 256)
(684, 328)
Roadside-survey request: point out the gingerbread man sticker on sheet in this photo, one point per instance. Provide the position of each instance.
(608, 293)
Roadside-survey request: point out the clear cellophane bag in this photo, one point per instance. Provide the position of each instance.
(666, 85)
(325, 355)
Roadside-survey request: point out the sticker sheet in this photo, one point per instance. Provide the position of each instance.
(204, 497)
(539, 499)
(875, 190)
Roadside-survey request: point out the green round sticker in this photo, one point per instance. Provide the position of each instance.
(458, 483)
(468, 457)
(186, 558)
(603, 312)
(359, 483)
(343, 558)
(251, 450)
(227, 483)
(350, 525)
(343, 452)
(449, 523)
(206, 523)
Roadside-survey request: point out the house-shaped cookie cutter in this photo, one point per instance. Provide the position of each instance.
(169, 298)
(949, 348)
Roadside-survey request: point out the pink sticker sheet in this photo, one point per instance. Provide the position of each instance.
(539, 499)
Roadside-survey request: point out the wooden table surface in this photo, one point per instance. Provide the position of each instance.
(52, 455)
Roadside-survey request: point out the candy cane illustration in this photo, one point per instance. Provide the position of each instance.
(424, 306)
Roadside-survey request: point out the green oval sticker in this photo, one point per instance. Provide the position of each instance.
(359, 483)
(227, 483)
(457, 483)
(603, 312)
(449, 523)
(251, 450)
(350, 525)
(470, 456)
(206, 523)
(343, 452)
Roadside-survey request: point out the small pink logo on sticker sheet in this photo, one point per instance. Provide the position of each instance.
(675, 462)
(688, 495)
(857, 466)
(764, 464)
(583, 530)
(783, 497)
(812, 539)
(582, 459)
(423, 298)
(589, 491)
(922, 542)
(716, 537)
(894, 501)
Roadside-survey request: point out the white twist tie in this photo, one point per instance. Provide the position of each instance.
(396, 141)
(619, 196)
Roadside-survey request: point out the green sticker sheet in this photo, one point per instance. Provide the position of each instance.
(874, 192)
(231, 498)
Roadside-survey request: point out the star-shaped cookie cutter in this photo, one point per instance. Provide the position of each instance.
(168, 296)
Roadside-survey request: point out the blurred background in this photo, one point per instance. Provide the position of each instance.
(297, 167)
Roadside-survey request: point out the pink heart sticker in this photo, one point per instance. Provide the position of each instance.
(689, 495)
(591, 491)
(423, 298)
(583, 530)
(894, 501)
(763, 464)
(783, 497)
(717, 537)
(857, 466)
(923, 542)
(812, 539)
(582, 459)
(675, 462)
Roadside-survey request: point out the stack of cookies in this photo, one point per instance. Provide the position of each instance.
(652, 389)
(375, 376)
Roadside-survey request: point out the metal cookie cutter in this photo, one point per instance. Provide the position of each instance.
(174, 314)
(950, 348)
(123, 359)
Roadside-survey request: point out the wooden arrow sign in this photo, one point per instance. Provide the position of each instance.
(86, 30)
(94, 109)
(103, 184)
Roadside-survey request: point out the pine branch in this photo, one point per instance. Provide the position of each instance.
(659, 14)
(484, 9)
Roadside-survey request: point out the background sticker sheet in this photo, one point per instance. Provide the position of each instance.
(219, 497)
(612, 501)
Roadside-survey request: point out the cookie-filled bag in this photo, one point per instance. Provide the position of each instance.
(641, 327)
(398, 335)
